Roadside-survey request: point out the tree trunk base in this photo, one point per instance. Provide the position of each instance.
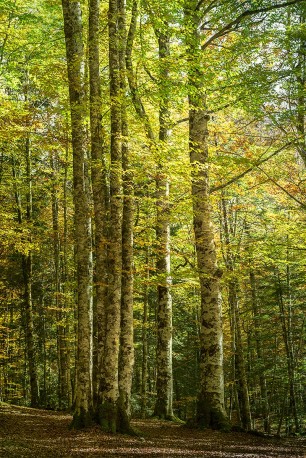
(82, 420)
(211, 417)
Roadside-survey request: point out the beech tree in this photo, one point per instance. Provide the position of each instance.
(75, 61)
(187, 125)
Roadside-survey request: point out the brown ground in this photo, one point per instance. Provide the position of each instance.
(26, 432)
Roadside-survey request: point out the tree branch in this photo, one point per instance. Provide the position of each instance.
(236, 22)
(257, 164)
(138, 105)
(283, 189)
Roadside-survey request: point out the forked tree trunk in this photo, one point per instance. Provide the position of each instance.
(75, 62)
(210, 404)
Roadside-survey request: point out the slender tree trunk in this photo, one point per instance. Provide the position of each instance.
(65, 273)
(164, 381)
(109, 384)
(60, 317)
(260, 356)
(210, 405)
(301, 80)
(100, 194)
(75, 62)
(144, 335)
(26, 263)
(289, 353)
(126, 356)
(240, 366)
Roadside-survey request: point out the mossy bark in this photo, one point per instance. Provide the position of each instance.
(126, 355)
(109, 388)
(210, 405)
(100, 195)
(82, 224)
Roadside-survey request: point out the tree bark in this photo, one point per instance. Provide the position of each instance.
(75, 62)
(126, 356)
(100, 195)
(210, 404)
(239, 359)
(164, 381)
(108, 411)
(63, 368)
(26, 264)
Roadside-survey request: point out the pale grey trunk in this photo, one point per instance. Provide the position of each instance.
(75, 63)
(126, 357)
(99, 189)
(210, 404)
(109, 382)
(164, 379)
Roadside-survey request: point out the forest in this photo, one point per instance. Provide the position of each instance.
(153, 210)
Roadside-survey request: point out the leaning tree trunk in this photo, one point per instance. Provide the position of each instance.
(75, 62)
(164, 380)
(109, 390)
(210, 404)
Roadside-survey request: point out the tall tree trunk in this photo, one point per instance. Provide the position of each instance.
(100, 194)
(60, 317)
(240, 367)
(289, 353)
(65, 275)
(301, 80)
(109, 384)
(27, 276)
(164, 380)
(75, 62)
(26, 264)
(144, 338)
(210, 404)
(126, 356)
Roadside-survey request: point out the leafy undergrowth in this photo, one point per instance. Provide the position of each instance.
(26, 432)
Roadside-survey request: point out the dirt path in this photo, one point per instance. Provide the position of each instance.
(36, 433)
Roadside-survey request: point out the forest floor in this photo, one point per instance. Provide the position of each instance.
(34, 433)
